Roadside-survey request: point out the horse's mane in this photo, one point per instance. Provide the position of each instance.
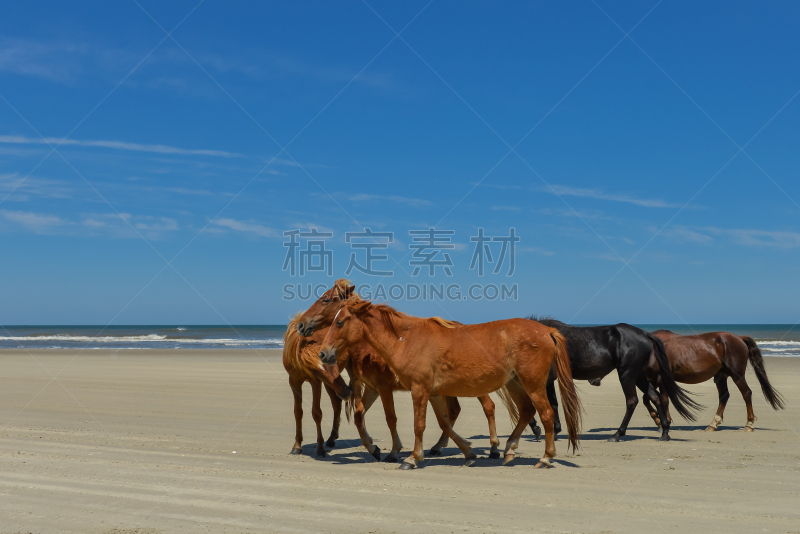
(387, 314)
(343, 289)
(299, 352)
(547, 321)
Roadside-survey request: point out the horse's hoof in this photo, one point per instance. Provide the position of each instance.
(542, 465)
(613, 439)
(390, 459)
(537, 433)
(321, 453)
(331, 443)
(376, 453)
(434, 452)
(296, 452)
(470, 461)
(711, 429)
(748, 429)
(494, 455)
(664, 437)
(508, 459)
(405, 466)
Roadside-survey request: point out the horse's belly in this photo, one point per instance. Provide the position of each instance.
(687, 375)
(586, 371)
(471, 388)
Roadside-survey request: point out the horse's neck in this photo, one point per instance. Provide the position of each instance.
(383, 340)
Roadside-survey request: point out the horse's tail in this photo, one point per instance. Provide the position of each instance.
(774, 398)
(681, 399)
(357, 388)
(508, 402)
(569, 396)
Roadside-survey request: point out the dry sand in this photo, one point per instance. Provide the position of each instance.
(143, 441)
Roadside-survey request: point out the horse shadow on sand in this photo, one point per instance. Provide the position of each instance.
(602, 434)
(450, 456)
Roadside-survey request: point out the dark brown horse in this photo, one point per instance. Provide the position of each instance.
(718, 355)
(370, 370)
(433, 357)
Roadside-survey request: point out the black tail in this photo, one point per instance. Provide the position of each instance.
(774, 398)
(680, 398)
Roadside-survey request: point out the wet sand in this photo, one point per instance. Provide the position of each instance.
(143, 441)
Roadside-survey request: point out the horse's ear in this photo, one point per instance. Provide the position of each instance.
(349, 291)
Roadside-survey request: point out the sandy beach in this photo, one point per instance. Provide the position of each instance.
(142, 441)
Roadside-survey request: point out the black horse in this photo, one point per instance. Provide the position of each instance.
(595, 351)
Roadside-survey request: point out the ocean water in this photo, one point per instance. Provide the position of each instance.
(142, 337)
(773, 339)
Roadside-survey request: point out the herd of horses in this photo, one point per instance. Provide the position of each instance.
(385, 350)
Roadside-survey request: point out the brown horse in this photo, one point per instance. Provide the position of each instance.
(718, 355)
(371, 371)
(296, 353)
(433, 357)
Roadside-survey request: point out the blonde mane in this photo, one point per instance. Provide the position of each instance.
(299, 352)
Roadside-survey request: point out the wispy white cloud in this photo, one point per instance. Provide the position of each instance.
(127, 226)
(682, 233)
(118, 145)
(34, 186)
(363, 197)
(250, 227)
(783, 239)
(535, 250)
(600, 195)
(760, 238)
(38, 223)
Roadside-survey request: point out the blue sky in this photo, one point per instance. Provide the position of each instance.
(675, 148)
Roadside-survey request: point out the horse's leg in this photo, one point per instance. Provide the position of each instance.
(664, 401)
(651, 393)
(647, 403)
(316, 413)
(296, 383)
(628, 381)
(453, 409)
(387, 398)
(551, 397)
(721, 381)
(488, 410)
(439, 405)
(747, 395)
(546, 414)
(366, 401)
(419, 397)
(526, 413)
(336, 404)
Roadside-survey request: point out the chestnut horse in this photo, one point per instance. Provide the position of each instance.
(433, 357)
(719, 355)
(371, 371)
(295, 353)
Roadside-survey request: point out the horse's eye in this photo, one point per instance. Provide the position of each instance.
(325, 301)
(339, 323)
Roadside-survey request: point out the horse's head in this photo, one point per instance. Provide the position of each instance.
(330, 374)
(345, 331)
(320, 314)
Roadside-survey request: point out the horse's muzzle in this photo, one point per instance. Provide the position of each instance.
(328, 356)
(305, 329)
(346, 393)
